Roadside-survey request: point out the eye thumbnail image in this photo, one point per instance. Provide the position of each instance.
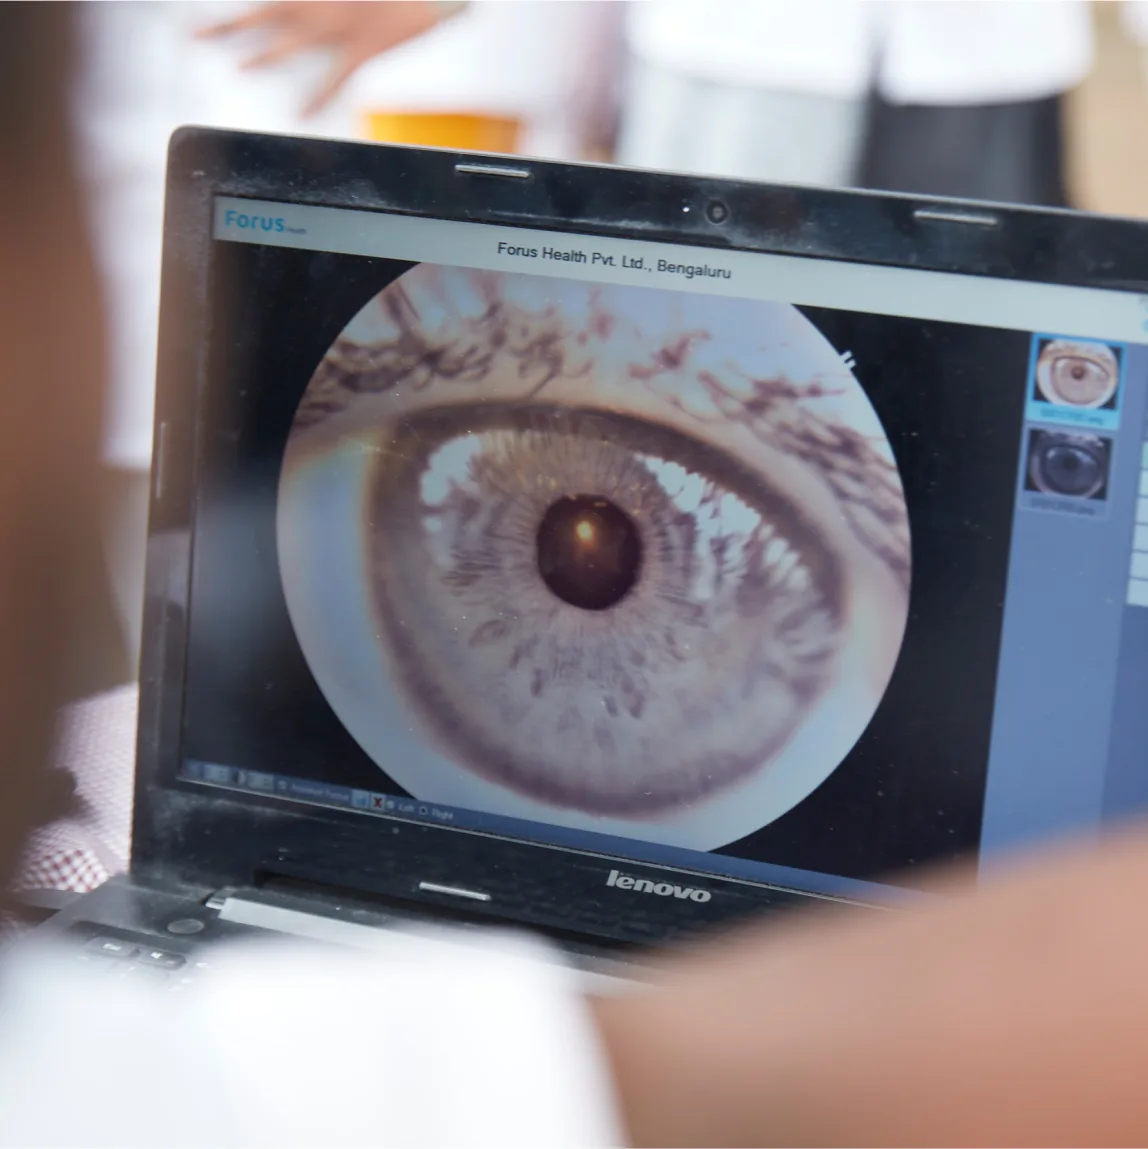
(1068, 463)
(604, 557)
(1077, 373)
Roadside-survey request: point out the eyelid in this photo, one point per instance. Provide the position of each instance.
(644, 359)
(1100, 354)
(659, 375)
(1077, 357)
(385, 423)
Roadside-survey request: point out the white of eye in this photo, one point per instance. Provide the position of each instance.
(373, 710)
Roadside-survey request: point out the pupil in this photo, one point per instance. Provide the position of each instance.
(589, 551)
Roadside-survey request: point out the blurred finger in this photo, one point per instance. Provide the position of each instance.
(368, 37)
(260, 16)
(334, 82)
(285, 44)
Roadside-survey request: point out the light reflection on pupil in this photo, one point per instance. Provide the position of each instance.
(589, 552)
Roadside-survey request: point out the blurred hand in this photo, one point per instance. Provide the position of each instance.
(354, 31)
(1015, 1017)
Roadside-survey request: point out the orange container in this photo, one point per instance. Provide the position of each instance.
(463, 130)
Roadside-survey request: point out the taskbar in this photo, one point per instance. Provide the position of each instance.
(311, 792)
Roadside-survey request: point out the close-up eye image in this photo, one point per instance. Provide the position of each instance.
(1077, 373)
(604, 557)
(1064, 463)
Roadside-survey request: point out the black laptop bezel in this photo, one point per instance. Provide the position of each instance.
(201, 838)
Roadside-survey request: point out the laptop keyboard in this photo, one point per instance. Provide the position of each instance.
(121, 960)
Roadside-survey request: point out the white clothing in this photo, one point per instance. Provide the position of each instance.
(686, 124)
(144, 74)
(970, 52)
(430, 1041)
(930, 51)
(1134, 16)
(547, 64)
(817, 46)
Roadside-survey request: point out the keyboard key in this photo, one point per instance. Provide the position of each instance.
(160, 959)
(111, 947)
(97, 963)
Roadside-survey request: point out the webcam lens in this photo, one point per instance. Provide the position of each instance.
(716, 211)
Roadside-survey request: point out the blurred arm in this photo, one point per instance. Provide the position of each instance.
(354, 31)
(1017, 1016)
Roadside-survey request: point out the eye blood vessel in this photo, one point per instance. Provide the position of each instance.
(611, 557)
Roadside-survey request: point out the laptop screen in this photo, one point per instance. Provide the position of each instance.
(781, 569)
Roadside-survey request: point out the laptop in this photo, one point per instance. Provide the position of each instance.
(615, 554)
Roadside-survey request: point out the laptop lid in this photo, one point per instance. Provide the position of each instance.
(615, 552)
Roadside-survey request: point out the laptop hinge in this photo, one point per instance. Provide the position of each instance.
(253, 908)
(381, 931)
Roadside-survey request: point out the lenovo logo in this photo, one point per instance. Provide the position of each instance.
(662, 889)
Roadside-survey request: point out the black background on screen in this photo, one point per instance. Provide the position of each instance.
(951, 399)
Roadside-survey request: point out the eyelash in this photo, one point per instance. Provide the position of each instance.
(351, 369)
(846, 459)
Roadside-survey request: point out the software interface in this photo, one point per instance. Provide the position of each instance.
(777, 568)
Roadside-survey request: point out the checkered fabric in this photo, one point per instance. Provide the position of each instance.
(96, 743)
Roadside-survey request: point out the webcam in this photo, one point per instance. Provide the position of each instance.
(716, 211)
